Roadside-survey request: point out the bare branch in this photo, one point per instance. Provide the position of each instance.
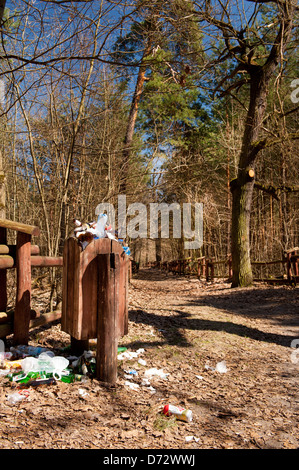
(267, 142)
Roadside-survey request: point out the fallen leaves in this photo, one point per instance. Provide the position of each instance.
(180, 326)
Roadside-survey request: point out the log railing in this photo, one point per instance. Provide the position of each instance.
(206, 267)
(22, 257)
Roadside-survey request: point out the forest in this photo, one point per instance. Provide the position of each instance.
(167, 102)
(182, 116)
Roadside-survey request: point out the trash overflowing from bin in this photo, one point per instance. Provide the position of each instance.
(29, 366)
(86, 232)
(45, 369)
(26, 366)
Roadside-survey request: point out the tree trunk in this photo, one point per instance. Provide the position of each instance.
(2, 175)
(132, 120)
(242, 186)
(241, 265)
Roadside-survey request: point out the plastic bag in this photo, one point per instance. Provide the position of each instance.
(100, 225)
(45, 363)
(16, 397)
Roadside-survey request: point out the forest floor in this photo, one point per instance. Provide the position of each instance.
(182, 327)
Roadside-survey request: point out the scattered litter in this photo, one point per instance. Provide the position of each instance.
(221, 367)
(130, 354)
(85, 364)
(132, 386)
(142, 362)
(145, 382)
(11, 365)
(16, 397)
(72, 358)
(128, 376)
(180, 413)
(5, 356)
(82, 392)
(155, 372)
(200, 377)
(191, 438)
(41, 381)
(131, 372)
(47, 368)
(22, 351)
(45, 363)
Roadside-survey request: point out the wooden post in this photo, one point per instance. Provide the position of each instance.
(212, 270)
(3, 291)
(122, 296)
(23, 289)
(295, 263)
(207, 269)
(108, 308)
(289, 266)
(198, 268)
(127, 265)
(204, 267)
(230, 271)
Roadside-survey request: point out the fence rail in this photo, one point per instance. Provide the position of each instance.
(22, 257)
(206, 268)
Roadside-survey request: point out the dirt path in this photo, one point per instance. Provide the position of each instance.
(185, 327)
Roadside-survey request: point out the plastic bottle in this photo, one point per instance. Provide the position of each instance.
(24, 350)
(41, 381)
(22, 378)
(70, 378)
(181, 413)
(100, 225)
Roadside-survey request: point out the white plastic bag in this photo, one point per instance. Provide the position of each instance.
(221, 367)
(46, 363)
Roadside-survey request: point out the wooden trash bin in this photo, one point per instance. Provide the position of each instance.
(95, 298)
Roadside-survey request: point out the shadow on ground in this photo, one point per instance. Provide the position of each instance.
(172, 328)
(277, 305)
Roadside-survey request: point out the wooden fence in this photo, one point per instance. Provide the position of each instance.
(209, 268)
(21, 257)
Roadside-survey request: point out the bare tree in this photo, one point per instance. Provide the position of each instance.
(2, 175)
(256, 55)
